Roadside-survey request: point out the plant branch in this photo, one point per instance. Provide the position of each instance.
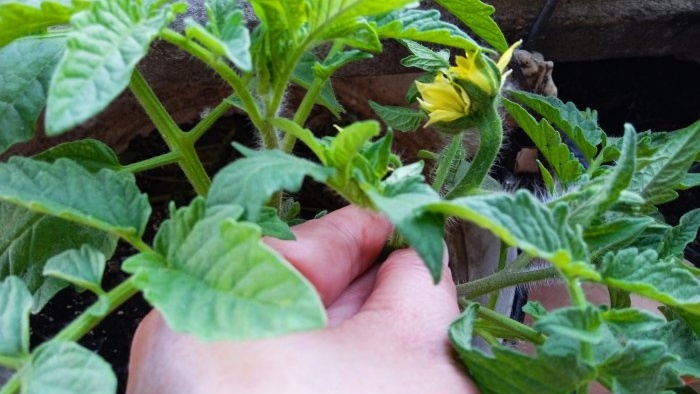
(205, 124)
(153, 162)
(303, 111)
(447, 158)
(502, 280)
(218, 65)
(519, 329)
(175, 138)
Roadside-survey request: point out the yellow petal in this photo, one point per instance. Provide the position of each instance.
(507, 55)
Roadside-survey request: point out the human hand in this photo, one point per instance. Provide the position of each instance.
(387, 327)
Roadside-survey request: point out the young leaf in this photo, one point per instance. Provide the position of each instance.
(477, 16)
(580, 126)
(109, 40)
(304, 135)
(345, 147)
(664, 171)
(82, 267)
(535, 310)
(425, 58)
(675, 241)
(399, 118)
(66, 367)
(422, 25)
(220, 281)
(18, 19)
(252, 180)
(15, 304)
(92, 155)
(107, 200)
(304, 74)
(546, 374)
(575, 323)
(549, 142)
(642, 273)
(523, 221)
(615, 233)
(547, 178)
(337, 60)
(681, 341)
(226, 33)
(607, 194)
(26, 67)
(404, 193)
(273, 226)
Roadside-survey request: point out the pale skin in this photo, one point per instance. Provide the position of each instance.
(387, 330)
(387, 326)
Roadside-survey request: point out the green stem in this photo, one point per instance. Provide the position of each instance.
(175, 138)
(502, 280)
(205, 124)
(303, 111)
(94, 315)
(520, 262)
(490, 138)
(153, 162)
(519, 329)
(83, 324)
(220, 66)
(10, 362)
(578, 299)
(502, 261)
(447, 158)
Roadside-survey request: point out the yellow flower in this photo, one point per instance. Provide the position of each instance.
(443, 100)
(474, 68)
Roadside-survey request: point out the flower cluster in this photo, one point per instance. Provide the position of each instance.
(461, 91)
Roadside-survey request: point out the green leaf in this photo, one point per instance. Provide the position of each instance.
(658, 177)
(644, 274)
(640, 367)
(106, 200)
(220, 281)
(521, 220)
(226, 33)
(273, 226)
(403, 196)
(92, 155)
(547, 373)
(29, 239)
(345, 147)
(337, 60)
(26, 67)
(109, 40)
(549, 143)
(631, 322)
(304, 135)
(689, 181)
(603, 196)
(575, 323)
(66, 367)
(535, 310)
(425, 58)
(675, 241)
(477, 16)
(15, 304)
(82, 267)
(422, 25)
(345, 20)
(379, 156)
(399, 118)
(682, 342)
(304, 74)
(547, 178)
(580, 126)
(615, 233)
(252, 180)
(18, 19)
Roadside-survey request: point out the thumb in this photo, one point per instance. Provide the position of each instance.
(404, 293)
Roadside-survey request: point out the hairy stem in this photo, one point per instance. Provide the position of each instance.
(502, 280)
(303, 111)
(205, 124)
(447, 158)
(519, 330)
(153, 162)
(175, 138)
(502, 261)
(490, 138)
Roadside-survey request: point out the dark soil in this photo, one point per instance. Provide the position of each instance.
(658, 94)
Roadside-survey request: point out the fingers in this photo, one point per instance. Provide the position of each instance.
(404, 294)
(332, 251)
(351, 300)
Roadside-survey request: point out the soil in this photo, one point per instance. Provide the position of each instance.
(659, 94)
